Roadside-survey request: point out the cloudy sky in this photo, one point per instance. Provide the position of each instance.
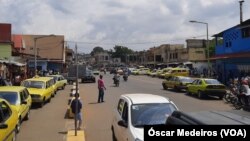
(137, 24)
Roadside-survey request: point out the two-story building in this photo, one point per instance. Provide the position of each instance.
(233, 51)
(50, 52)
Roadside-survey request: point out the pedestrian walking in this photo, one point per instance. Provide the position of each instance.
(101, 88)
(76, 107)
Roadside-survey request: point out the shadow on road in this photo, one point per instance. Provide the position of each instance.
(63, 132)
(94, 103)
(205, 97)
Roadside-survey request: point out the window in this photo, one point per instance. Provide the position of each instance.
(125, 112)
(246, 32)
(226, 44)
(26, 93)
(5, 112)
(22, 96)
(200, 82)
(120, 106)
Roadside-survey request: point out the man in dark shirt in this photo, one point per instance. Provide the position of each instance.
(76, 107)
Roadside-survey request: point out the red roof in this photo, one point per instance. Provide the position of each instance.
(17, 39)
(232, 55)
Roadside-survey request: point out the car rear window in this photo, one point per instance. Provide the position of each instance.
(212, 81)
(34, 84)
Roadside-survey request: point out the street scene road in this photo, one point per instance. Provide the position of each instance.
(48, 123)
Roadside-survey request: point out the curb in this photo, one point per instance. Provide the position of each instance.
(71, 135)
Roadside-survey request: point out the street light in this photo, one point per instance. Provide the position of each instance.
(35, 49)
(207, 45)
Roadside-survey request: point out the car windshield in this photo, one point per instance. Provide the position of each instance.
(34, 84)
(55, 78)
(212, 81)
(11, 97)
(186, 80)
(150, 114)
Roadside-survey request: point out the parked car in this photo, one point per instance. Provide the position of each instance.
(41, 89)
(136, 110)
(177, 72)
(177, 82)
(20, 99)
(8, 121)
(206, 87)
(60, 81)
(135, 72)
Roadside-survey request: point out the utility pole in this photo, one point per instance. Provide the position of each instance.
(241, 14)
(76, 107)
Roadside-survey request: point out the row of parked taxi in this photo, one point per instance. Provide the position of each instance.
(161, 73)
(16, 102)
(178, 79)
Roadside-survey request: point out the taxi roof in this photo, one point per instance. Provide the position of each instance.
(11, 88)
(39, 79)
(139, 98)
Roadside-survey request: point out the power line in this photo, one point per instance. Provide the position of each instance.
(134, 43)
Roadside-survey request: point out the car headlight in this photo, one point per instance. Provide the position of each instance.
(138, 139)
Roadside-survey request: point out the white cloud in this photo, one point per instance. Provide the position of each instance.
(109, 22)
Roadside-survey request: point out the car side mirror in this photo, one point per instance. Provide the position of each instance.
(123, 123)
(24, 102)
(3, 126)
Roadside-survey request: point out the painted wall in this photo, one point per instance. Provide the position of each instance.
(5, 51)
(233, 42)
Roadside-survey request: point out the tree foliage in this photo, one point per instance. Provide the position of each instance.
(121, 52)
(96, 50)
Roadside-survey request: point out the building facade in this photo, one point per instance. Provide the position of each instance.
(233, 52)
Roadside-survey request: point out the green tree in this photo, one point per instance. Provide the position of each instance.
(121, 52)
(96, 50)
(212, 47)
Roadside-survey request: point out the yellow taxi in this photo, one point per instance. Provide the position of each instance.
(203, 87)
(8, 121)
(177, 72)
(60, 81)
(164, 71)
(177, 83)
(40, 88)
(19, 98)
(53, 83)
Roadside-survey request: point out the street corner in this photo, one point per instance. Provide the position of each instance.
(72, 137)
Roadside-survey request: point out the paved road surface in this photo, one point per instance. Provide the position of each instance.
(48, 123)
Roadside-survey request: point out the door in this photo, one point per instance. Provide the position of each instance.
(6, 117)
(125, 130)
(197, 86)
(121, 132)
(191, 87)
(23, 107)
(117, 117)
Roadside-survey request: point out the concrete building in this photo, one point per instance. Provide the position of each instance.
(102, 58)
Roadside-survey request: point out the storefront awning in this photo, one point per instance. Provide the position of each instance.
(12, 62)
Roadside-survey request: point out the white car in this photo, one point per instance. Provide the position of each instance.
(136, 110)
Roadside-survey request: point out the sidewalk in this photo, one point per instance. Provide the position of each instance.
(71, 135)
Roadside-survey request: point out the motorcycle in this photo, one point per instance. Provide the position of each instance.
(116, 81)
(243, 98)
(125, 77)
